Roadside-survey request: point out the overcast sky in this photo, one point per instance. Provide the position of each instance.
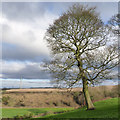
(23, 27)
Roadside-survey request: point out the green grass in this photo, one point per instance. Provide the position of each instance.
(11, 112)
(104, 109)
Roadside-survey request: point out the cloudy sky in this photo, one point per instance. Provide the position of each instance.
(23, 27)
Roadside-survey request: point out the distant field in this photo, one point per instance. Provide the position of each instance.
(104, 109)
(54, 89)
(43, 90)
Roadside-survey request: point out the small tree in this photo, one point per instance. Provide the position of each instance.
(80, 48)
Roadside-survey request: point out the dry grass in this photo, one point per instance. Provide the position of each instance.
(56, 97)
(43, 90)
(43, 99)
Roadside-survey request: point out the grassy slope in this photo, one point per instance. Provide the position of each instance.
(104, 109)
(11, 112)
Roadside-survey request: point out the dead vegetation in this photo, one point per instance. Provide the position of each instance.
(55, 97)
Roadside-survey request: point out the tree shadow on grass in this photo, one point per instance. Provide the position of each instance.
(36, 111)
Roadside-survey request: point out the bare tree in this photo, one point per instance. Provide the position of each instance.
(81, 49)
(114, 23)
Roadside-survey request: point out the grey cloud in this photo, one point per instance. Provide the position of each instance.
(17, 53)
(22, 11)
(27, 11)
(28, 72)
(5, 28)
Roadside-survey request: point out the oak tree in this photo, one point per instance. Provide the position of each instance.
(81, 49)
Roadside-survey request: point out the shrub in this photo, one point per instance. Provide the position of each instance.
(29, 115)
(66, 103)
(3, 91)
(55, 103)
(78, 97)
(5, 100)
(48, 113)
(26, 116)
(115, 92)
(20, 103)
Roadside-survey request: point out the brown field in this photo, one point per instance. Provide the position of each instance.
(43, 90)
(54, 97)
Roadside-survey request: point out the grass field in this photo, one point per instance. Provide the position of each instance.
(12, 112)
(104, 109)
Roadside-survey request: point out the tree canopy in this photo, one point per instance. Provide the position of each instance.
(82, 47)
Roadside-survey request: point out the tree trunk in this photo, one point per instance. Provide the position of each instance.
(88, 101)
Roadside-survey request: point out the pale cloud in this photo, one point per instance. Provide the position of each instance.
(26, 70)
(1, 75)
(23, 11)
(12, 66)
(27, 36)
